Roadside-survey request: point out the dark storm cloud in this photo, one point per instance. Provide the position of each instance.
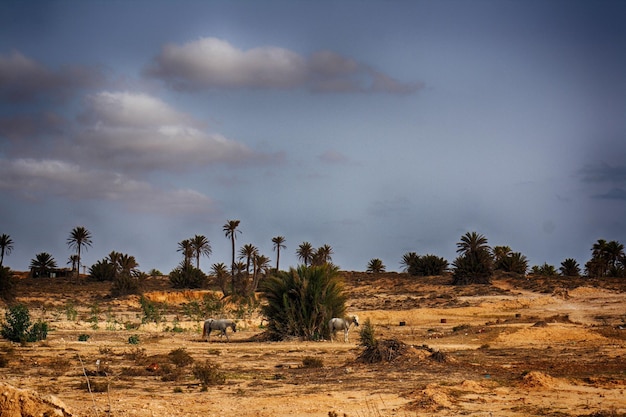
(23, 79)
(608, 181)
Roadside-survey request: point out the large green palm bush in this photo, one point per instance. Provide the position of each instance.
(301, 301)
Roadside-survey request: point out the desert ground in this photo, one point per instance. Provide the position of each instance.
(519, 347)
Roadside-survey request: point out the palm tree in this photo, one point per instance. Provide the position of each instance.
(278, 244)
(42, 264)
(322, 255)
(200, 246)
(305, 253)
(220, 271)
(474, 264)
(614, 251)
(570, 268)
(301, 301)
(185, 246)
(500, 253)
(375, 266)
(261, 268)
(6, 246)
(79, 238)
(248, 251)
(230, 231)
(73, 260)
(408, 259)
(472, 242)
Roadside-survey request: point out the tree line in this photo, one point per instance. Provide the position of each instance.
(475, 264)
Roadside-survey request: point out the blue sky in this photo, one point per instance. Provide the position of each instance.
(376, 127)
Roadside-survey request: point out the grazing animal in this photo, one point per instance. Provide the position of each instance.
(336, 324)
(219, 324)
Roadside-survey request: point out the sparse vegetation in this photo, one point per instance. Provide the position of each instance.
(180, 357)
(209, 374)
(311, 362)
(18, 327)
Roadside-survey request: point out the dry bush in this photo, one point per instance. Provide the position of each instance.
(383, 351)
(209, 374)
(95, 385)
(310, 362)
(138, 355)
(180, 357)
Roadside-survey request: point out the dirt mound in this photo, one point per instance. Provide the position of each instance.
(537, 379)
(16, 402)
(473, 386)
(549, 334)
(432, 398)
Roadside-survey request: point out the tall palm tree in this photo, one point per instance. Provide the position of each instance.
(185, 246)
(6, 246)
(42, 264)
(201, 246)
(248, 251)
(305, 253)
(278, 242)
(79, 238)
(230, 231)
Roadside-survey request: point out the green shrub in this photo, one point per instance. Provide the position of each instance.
(18, 327)
(187, 276)
(83, 337)
(427, 265)
(301, 301)
(133, 340)
(102, 270)
(152, 311)
(127, 283)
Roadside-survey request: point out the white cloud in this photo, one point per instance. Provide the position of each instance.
(40, 179)
(214, 63)
(131, 131)
(125, 109)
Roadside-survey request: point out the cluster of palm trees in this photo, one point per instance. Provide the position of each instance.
(44, 263)
(242, 279)
(607, 259)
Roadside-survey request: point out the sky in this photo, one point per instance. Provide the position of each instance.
(375, 127)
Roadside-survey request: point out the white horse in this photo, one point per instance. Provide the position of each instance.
(219, 324)
(336, 324)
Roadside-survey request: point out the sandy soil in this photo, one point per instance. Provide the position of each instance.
(515, 348)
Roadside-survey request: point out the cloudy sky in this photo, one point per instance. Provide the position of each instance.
(376, 127)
